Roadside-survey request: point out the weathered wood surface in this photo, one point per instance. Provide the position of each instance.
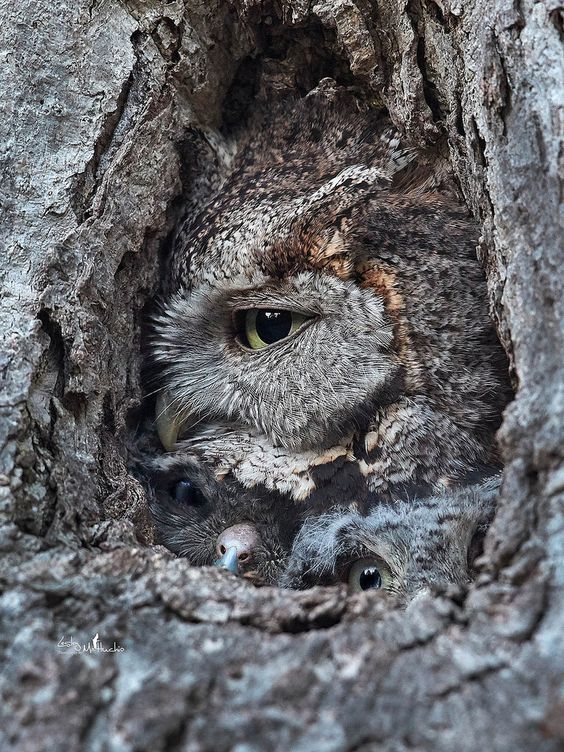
(95, 100)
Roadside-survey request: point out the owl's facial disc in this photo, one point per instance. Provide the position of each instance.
(302, 362)
(408, 547)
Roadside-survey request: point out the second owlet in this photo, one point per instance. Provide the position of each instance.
(404, 548)
(324, 334)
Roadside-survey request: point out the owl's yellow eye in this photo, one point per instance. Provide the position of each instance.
(368, 574)
(263, 327)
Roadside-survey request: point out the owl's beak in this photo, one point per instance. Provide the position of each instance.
(236, 546)
(169, 422)
(228, 561)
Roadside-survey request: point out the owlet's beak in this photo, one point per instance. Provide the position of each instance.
(236, 547)
(228, 561)
(169, 422)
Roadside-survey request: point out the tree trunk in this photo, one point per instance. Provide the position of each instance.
(96, 100)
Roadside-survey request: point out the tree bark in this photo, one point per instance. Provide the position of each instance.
(96, 100)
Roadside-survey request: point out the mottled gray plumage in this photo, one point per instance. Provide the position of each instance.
(414, 545)
(397, 382)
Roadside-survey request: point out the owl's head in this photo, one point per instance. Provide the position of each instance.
(402, 549)
(327, 279)
(220, 524)
(303, 360)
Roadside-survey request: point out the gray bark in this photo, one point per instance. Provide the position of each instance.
(96, 98)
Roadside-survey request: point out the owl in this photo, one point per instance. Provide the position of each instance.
(404, 549)
(249, 533)
(323, 338)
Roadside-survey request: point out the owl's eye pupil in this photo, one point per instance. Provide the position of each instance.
(273, 325)
(369, 578)
(186, 492)
(368, 574)
(261, 327)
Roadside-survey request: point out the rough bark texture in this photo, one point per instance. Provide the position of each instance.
(96, 98)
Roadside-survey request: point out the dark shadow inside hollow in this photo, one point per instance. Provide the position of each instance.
(287, 63)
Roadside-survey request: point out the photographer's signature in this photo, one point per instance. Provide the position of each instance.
(95, 645)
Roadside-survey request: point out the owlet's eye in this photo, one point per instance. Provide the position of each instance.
(185, 492)
(368, 574)
(262, 327)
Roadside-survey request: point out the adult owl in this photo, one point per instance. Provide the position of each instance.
(324, 336)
